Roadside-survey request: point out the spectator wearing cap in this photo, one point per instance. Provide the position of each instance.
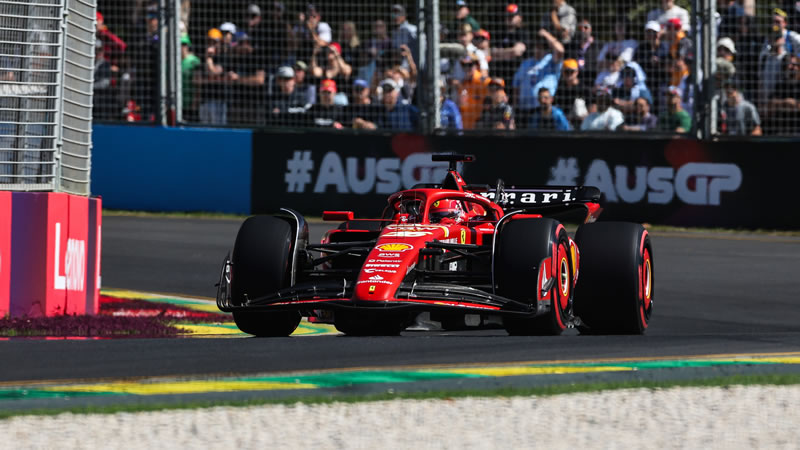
(780, 25)
(449, 116)
(783, 112)
(606, 118)
(396, 114)
(463, 17)
(217, 77)
(730, 12)
(541, 70)
(143, 53)
(651, 56)
(676, 119)
(623, 46)
(510, 44)
(726, 49)
(326, 113)
(547, 116)
(482, 40)
(560, 21)
(572, 95)
(104, 102)
(360, 107)
(284, 102)
(584, 50)
(312, 33)
(404, 32)
(631, 88)
(472, 91)
(498, 115)
(642, 119)
(669, 10)
(738, 116)
(770, 66)
(308, 90)
(465, 38)
(678, 52)
(191, 69)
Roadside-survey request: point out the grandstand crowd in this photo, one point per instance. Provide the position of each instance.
(522, 66)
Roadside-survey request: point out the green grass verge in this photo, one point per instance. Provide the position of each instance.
(557, 389)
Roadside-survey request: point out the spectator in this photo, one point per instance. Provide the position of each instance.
(352, 51)
(791, 39)
(113, 46)
(770, 66)
(249, 87)
(542, 70)
(191, 68)
(397, 114)
(642, 120)
(498, 115)
(631, 89)
(572, 95)
(398, 64)
(730, 13)
(103, 99)
(748, 46)
(143, 53)
(676, 120)
(473, 91)
(463, 17)
(482, 43)
(404, 33)
(465, 38)
(669, 10)
(560, 21)
(784, 105)
(584, 50)
(511, 42)
(273, 38)
(726, 49)
(312, 33)
(285, 102)
(326, 113)
(218, 74)
(360, 109)
(739, 117)
(334, 67)
(547, 116)
(623, 47)
(450, 116)
(651, 58)
(611, 74)
(308, 90)
(606, 118)
(380, 41)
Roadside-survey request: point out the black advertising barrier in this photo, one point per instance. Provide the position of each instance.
(735, 184)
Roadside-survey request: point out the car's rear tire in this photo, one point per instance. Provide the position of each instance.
(261, 265)
(615, 289)
(522, 246)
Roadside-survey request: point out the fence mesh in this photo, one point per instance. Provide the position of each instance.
(30, 34)
(529, 66)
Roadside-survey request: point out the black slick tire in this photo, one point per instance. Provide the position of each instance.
(615, 289)
(522, 246)
(261, 265)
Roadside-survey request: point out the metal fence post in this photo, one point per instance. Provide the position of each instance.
(176, 69)
(705, 111)
(163, 32)
(428, 85)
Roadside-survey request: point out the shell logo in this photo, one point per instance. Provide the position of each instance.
(394, 247)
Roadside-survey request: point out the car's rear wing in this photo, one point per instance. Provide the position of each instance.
(545, 200)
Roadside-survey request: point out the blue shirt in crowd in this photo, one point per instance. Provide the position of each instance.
(450, 116)
(556, 121)
(404, 116)
(534, 74)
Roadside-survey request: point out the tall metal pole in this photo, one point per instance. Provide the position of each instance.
(163, 32)
(705, 30)
(176, 69)
(428, 65)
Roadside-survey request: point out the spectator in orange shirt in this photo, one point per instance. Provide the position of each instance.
(474, 89)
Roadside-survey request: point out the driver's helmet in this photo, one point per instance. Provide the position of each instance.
(447, 209)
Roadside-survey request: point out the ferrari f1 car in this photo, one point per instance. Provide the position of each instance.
(463, 253)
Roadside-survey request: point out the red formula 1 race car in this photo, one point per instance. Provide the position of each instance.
(465, 254)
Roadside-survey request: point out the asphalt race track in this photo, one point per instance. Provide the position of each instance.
(715, 293)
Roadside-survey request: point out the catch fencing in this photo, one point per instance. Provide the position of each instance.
(46, 77)
(701, 68)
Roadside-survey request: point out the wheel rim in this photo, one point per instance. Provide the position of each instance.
(563, 272)
(646, 297)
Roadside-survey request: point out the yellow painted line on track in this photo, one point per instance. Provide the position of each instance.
(180, 387)
(516, 371)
